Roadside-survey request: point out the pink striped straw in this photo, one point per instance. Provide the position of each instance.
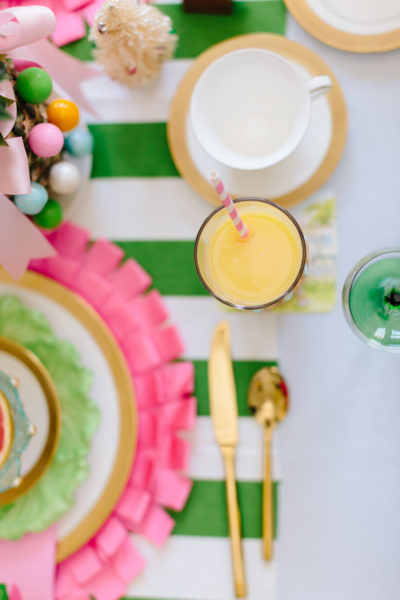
(229, 205)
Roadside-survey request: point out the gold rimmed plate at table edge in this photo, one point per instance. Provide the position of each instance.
(40, 373)
(89, 318)
(176, 127)
(342, 40)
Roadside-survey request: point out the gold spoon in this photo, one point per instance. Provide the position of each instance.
(268, 399)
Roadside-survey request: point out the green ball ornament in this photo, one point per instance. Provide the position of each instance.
(50, 216)
(34, 85)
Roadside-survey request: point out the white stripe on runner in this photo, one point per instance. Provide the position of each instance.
(116, 103)
(124, 208)
(206, 461)
(253, 334)
(200, 568)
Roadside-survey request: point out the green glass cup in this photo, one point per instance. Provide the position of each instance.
(371, 299)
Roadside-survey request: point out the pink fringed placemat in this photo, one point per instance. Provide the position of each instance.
(117, 291)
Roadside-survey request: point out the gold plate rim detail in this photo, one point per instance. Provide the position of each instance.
(89, 318)
(342, 40)
(41, 374)
(176, 126)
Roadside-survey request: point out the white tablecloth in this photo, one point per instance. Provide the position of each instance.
(340, 447)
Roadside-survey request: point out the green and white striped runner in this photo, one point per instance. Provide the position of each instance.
(137, 199)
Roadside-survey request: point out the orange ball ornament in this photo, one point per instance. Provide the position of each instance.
(63, 113)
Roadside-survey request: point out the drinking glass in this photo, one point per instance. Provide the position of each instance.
(371, 299)
(255, 273)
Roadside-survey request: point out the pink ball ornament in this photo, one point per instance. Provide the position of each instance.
(46, 139)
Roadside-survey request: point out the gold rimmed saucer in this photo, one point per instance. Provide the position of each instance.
(305, 58)
(337, 38)
(42, 377)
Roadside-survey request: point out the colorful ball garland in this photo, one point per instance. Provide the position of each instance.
(79, 143)
(64, 177)
(33, 203)
(63, 113)
(51, 215)
(46, 141)
(34, 85)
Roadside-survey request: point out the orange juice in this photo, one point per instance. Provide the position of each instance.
(255, 272)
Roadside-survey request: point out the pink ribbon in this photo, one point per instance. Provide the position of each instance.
(70, 16)
(21, 26)
(20, 239)
(29, 563)
(22, 30)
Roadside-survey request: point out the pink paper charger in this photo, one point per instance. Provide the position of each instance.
(110, 561)
(34, 556)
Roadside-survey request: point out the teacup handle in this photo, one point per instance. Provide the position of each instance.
(319, 85)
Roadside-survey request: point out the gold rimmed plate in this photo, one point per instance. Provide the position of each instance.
(41, 405)
(288, 182)
(113, 445)
(352, 25)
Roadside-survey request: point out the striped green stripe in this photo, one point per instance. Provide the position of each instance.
(243, 371)
(198, 32)
(205, 513)
(131, 150)
(170, 264)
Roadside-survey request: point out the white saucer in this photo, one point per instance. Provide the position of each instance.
(359, 16)
(284, 177)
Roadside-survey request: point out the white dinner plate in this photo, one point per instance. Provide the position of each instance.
(354, 25)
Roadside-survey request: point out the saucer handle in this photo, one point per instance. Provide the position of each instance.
(319, 85)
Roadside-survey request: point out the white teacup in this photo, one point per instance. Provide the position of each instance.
(251, 108)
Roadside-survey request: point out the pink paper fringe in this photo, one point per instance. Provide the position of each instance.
(110, 561)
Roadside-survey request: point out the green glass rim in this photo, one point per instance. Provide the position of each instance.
(291, 287)
(347, 287)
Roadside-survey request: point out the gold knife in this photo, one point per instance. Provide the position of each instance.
(223, 407)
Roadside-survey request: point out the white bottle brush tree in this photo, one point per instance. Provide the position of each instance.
(132, 40)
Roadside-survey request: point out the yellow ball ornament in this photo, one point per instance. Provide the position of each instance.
(63, 113)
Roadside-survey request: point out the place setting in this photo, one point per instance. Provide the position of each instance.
(109, 455)
(134, 463)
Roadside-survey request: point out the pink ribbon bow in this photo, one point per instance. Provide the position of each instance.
(21, 33)
(70, 16)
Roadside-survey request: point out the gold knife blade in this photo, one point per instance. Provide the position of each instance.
(222, 389)
(223, 408)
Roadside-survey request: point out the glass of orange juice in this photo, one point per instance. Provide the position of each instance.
(256, 272)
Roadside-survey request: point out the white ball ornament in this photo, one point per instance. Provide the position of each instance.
(64, 177)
